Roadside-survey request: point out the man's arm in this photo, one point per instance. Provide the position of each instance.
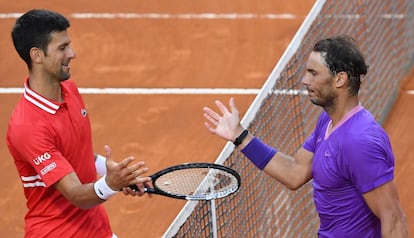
(384, 203)
(119, 176)
(293, 172)
(80, 195)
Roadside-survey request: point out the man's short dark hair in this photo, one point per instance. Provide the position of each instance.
(342, 54)
(33, 29)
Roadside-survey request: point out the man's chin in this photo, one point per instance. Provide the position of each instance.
(64, 77)
(316, 102)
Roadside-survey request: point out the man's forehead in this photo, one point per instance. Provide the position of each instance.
(316, 61)
(61, 37)
(316, 58)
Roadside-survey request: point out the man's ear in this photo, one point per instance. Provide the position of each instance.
(341, 79)
(36, 55)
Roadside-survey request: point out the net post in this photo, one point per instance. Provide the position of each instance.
(213, 217)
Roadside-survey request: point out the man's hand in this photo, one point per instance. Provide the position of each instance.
(226, 124)
(121, 175)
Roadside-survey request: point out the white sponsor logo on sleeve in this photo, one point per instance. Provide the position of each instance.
(48, 168)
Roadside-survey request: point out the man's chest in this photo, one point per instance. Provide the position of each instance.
(329, 170)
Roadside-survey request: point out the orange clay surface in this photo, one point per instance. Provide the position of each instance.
(164, 130)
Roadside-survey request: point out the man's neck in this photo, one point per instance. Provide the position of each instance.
(47, 88)
(341, 108)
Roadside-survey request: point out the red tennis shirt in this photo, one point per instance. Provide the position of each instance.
(47, 141)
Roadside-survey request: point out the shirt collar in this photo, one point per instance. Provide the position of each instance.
(348, 115)
(39, 101)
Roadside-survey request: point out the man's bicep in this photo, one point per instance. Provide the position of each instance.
(291, 171)
(383, 200)
(304, 156)
(384, 203)
(304, 159)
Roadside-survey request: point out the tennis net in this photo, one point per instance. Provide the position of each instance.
(282, 116)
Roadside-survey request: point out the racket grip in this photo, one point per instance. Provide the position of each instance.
(135, 188)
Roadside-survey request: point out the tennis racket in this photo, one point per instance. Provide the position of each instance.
(194, 181)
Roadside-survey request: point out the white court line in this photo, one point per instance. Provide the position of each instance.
(167, 16)
(182, 91)
(212, 16)
(182, 16)
(151, 90)
(411, 92)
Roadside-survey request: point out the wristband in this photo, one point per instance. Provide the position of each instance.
(102, 189)
(100, 164)
(240, 138)
(258, 153)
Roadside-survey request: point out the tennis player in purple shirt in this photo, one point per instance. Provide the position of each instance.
(348, 156)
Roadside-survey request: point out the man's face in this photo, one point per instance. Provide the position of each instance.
(318, 81)
(58, 56)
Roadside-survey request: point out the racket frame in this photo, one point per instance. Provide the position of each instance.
(157, 190)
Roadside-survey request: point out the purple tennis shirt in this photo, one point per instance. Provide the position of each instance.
(352, 159)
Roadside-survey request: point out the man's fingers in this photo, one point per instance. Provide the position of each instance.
(139, 172)
(232, 104)
(223, 109)
(211, 119)
(108, 151)
(145, 181)
(109, 163)
(211, 115)
(124, 163)
(210, 128)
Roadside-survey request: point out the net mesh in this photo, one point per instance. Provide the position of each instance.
(282, 116)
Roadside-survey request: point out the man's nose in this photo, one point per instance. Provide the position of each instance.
(305, 79)
(71, 53)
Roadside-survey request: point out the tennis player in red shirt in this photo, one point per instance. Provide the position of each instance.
(49, 138)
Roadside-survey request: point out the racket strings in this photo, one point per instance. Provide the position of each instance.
(197, 181)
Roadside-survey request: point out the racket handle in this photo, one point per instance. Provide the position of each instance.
(146, 189)
(133, 187)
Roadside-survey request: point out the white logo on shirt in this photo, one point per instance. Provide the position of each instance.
(327, 154)
(84, 112)
(42, 158)
(48, 168)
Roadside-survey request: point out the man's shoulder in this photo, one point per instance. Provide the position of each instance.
(26, 119)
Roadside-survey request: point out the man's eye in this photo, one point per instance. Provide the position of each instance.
(313, 73)
(63, 47)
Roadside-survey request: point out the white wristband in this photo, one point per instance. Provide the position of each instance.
(102, 189)
(100, 164)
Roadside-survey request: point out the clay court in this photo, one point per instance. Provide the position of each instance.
(166, 51)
